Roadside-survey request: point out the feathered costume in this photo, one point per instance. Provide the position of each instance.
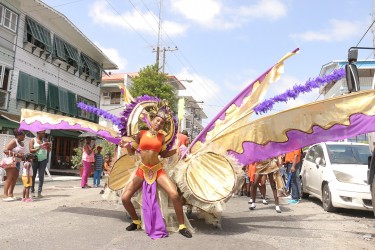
(211, 172)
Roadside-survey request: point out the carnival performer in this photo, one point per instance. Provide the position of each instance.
(151, 145)
(267, 167)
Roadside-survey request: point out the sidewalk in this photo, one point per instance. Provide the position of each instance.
(50, 179)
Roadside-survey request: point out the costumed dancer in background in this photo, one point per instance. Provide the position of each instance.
(267, 167)
(151, 144)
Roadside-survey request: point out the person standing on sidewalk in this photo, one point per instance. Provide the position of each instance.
(99, 162)
(14, 148)
(39, 146)
(292, 160)
(88, 157)
(27, 173)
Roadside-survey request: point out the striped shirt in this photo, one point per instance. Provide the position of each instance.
(99, 162)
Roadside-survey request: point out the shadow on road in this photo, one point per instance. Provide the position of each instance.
(344, 211)
(93, 212)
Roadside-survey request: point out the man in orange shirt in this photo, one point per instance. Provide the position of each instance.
(292, 160)
(183, 138)
(183, 142)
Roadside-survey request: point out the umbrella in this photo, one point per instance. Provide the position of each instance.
(88, 134)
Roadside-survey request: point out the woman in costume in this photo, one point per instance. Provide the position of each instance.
(151, 145)
(268, 167)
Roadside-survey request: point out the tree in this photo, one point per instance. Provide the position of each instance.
(154, 83)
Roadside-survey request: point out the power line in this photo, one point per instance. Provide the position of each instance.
(144, 39)
(365, 33)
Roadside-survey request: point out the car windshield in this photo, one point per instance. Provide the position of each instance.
(348, 154)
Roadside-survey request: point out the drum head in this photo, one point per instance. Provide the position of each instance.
(121, 172)
(210, 177)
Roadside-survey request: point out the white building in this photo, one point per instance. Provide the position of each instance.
(366, 70)
(48, 64)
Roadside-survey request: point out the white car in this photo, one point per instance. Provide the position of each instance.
(336, 173)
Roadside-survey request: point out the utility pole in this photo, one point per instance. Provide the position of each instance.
(164, 50)
(159, 35)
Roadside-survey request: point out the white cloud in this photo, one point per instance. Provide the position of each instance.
(102, 14)
(273, 9)
(201, 88)
(338, 30)
(114, 56)
(216, 15)
(201, 11)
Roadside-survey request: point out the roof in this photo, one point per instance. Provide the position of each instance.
(361, 64)
(60, 23)
(120, 77)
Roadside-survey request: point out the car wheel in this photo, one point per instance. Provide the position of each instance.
(373, 194)
(326, 199)
(304, 195)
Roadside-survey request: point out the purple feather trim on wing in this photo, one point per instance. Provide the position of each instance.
(318, 82)
(100, 112)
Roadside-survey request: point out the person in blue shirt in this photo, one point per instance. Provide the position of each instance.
(99, 164)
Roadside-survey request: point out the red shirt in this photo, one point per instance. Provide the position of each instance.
(182, 140)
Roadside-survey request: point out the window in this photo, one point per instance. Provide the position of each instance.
(53, 97)
(348, 154)
(37, 35)
(31, 89)
(8, 19)
(1, 14)
(65, 52)
(90, 67)
(115, 97)
(84, 114)
(4, 83)
(62, 100)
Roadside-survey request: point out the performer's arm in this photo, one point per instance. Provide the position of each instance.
(167, 153)
(131, 147)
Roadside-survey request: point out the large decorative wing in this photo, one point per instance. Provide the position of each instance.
(330, 119)
(34, 120)
(239, 110)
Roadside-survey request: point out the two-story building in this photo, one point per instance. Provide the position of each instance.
(47, 64)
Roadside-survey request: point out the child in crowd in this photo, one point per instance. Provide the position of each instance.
(98, 166)
(27, 174)
(107, 170)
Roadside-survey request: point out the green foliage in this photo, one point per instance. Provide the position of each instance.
(77, 158)
(107, 148)
(154, 83)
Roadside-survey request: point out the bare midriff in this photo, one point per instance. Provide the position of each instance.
(149, 157)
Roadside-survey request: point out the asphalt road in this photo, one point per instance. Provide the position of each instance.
(69, 217)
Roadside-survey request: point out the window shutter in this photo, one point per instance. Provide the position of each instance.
(53, 97)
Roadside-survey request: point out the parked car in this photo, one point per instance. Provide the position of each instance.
(336, 173)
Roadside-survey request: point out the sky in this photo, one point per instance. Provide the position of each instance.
(224, 45)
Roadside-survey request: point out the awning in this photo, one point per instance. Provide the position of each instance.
(66, 133)
(5, 123)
